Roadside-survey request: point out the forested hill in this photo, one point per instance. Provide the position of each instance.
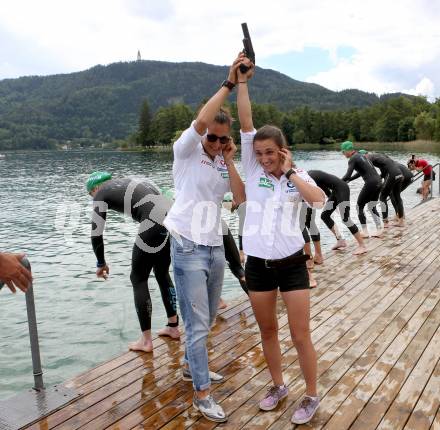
(103, 102)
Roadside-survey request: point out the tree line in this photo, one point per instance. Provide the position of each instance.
(395, 119)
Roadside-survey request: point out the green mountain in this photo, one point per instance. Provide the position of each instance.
(103, 102)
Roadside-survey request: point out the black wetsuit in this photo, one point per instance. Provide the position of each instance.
(338, 193)
(396, 199)
(393, 179)
(371, 189)
(151, 249)
(232, 256)
(310, 230)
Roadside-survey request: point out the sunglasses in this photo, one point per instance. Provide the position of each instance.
(213, 138)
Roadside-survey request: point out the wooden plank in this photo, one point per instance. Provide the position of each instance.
(229, 422)
(398, 358)
(423, 414)
(355, 350)
(376, 339)
(406, 399)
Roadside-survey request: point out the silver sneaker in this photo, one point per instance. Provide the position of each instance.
(215, 378)
(211, 410)
(305, 410)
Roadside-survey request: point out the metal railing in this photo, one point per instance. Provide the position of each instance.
(33, 331)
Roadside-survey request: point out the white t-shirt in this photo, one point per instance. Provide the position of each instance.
(271, 227)
(200, 184)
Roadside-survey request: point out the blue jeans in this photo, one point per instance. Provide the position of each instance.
(198, 277)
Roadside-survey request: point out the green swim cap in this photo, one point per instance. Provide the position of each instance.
(363, 151)
(346, 146)
(167, 192)
(97, 178)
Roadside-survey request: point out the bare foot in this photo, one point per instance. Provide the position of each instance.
(222, 304)
(364, 234)
(377, 233)
(399, 223)
(319, 259)
(386, 224)
(312, 280)
(340, 244)
(310, 263)
(360, 250)
(142, 344)
(172, 332)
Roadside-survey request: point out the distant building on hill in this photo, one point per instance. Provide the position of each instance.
(139, 56)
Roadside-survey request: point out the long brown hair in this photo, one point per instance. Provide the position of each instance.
(273, 133)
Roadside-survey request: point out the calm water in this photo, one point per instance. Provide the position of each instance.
(45, 212)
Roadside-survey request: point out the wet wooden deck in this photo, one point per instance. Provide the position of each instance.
(376, 328)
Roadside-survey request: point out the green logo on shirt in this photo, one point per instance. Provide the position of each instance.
(266, 183)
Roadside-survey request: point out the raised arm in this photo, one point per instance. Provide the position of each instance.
(243, 100)
(207, 113)
(237, 185)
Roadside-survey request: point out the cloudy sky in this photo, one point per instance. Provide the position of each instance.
(377, 46)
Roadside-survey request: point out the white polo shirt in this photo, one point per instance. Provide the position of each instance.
(271, 227)
(200, 185)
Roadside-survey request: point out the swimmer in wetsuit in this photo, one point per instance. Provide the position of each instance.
(393, 179)
(338, 196)
(142, 201)
(371, 189)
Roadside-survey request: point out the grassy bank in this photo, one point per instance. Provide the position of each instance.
(413, 146)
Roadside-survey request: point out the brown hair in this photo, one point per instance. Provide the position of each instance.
(223, 116)
(271, 132)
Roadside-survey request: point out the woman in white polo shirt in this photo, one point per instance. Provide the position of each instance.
(273, 242)
(203, 172)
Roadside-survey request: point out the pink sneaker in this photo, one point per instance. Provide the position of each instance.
(305, 411)
(273, 396)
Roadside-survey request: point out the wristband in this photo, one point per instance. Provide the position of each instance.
(290, 172)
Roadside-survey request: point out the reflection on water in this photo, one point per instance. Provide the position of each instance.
(44, 211)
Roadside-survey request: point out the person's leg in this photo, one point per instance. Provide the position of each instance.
(373, 191)
(396, 200)
(264, 307)
(161, 267)
(190, 266)
(314, 235)
(344, 210)
(141, 265)
(361, 202)
(425, 189)
(214, 282)
(298, 313)
(232, 256)
(383, 197)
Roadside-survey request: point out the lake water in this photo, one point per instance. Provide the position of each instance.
(82, 321)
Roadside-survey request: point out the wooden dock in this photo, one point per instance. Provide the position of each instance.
(376, 329)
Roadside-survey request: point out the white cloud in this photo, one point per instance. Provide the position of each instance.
(425, 87)
(397, 44)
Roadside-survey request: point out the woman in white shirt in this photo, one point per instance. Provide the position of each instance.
(273, 242)
(203, 172)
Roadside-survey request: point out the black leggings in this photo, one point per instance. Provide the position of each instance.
(142, 261)
(396, 199)
(342, 202)
(310, 229)
(369, 195)
(392, 185)
(233, 258)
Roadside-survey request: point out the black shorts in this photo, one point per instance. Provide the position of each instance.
(260, 278)
(428, 177)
